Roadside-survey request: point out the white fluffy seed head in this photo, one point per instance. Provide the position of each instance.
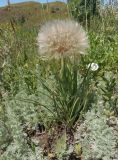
(62, 37)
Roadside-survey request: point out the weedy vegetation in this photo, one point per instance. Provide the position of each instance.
(59, 81)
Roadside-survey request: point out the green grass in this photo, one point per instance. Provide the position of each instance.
(34, 91)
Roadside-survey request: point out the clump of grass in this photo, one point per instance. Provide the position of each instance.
(56, 92)
(71, 95)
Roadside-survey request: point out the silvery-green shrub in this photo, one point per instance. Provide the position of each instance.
(98, 140)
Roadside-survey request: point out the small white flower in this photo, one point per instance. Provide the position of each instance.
(93, 66)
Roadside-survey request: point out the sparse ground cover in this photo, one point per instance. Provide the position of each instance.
(61, 107)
